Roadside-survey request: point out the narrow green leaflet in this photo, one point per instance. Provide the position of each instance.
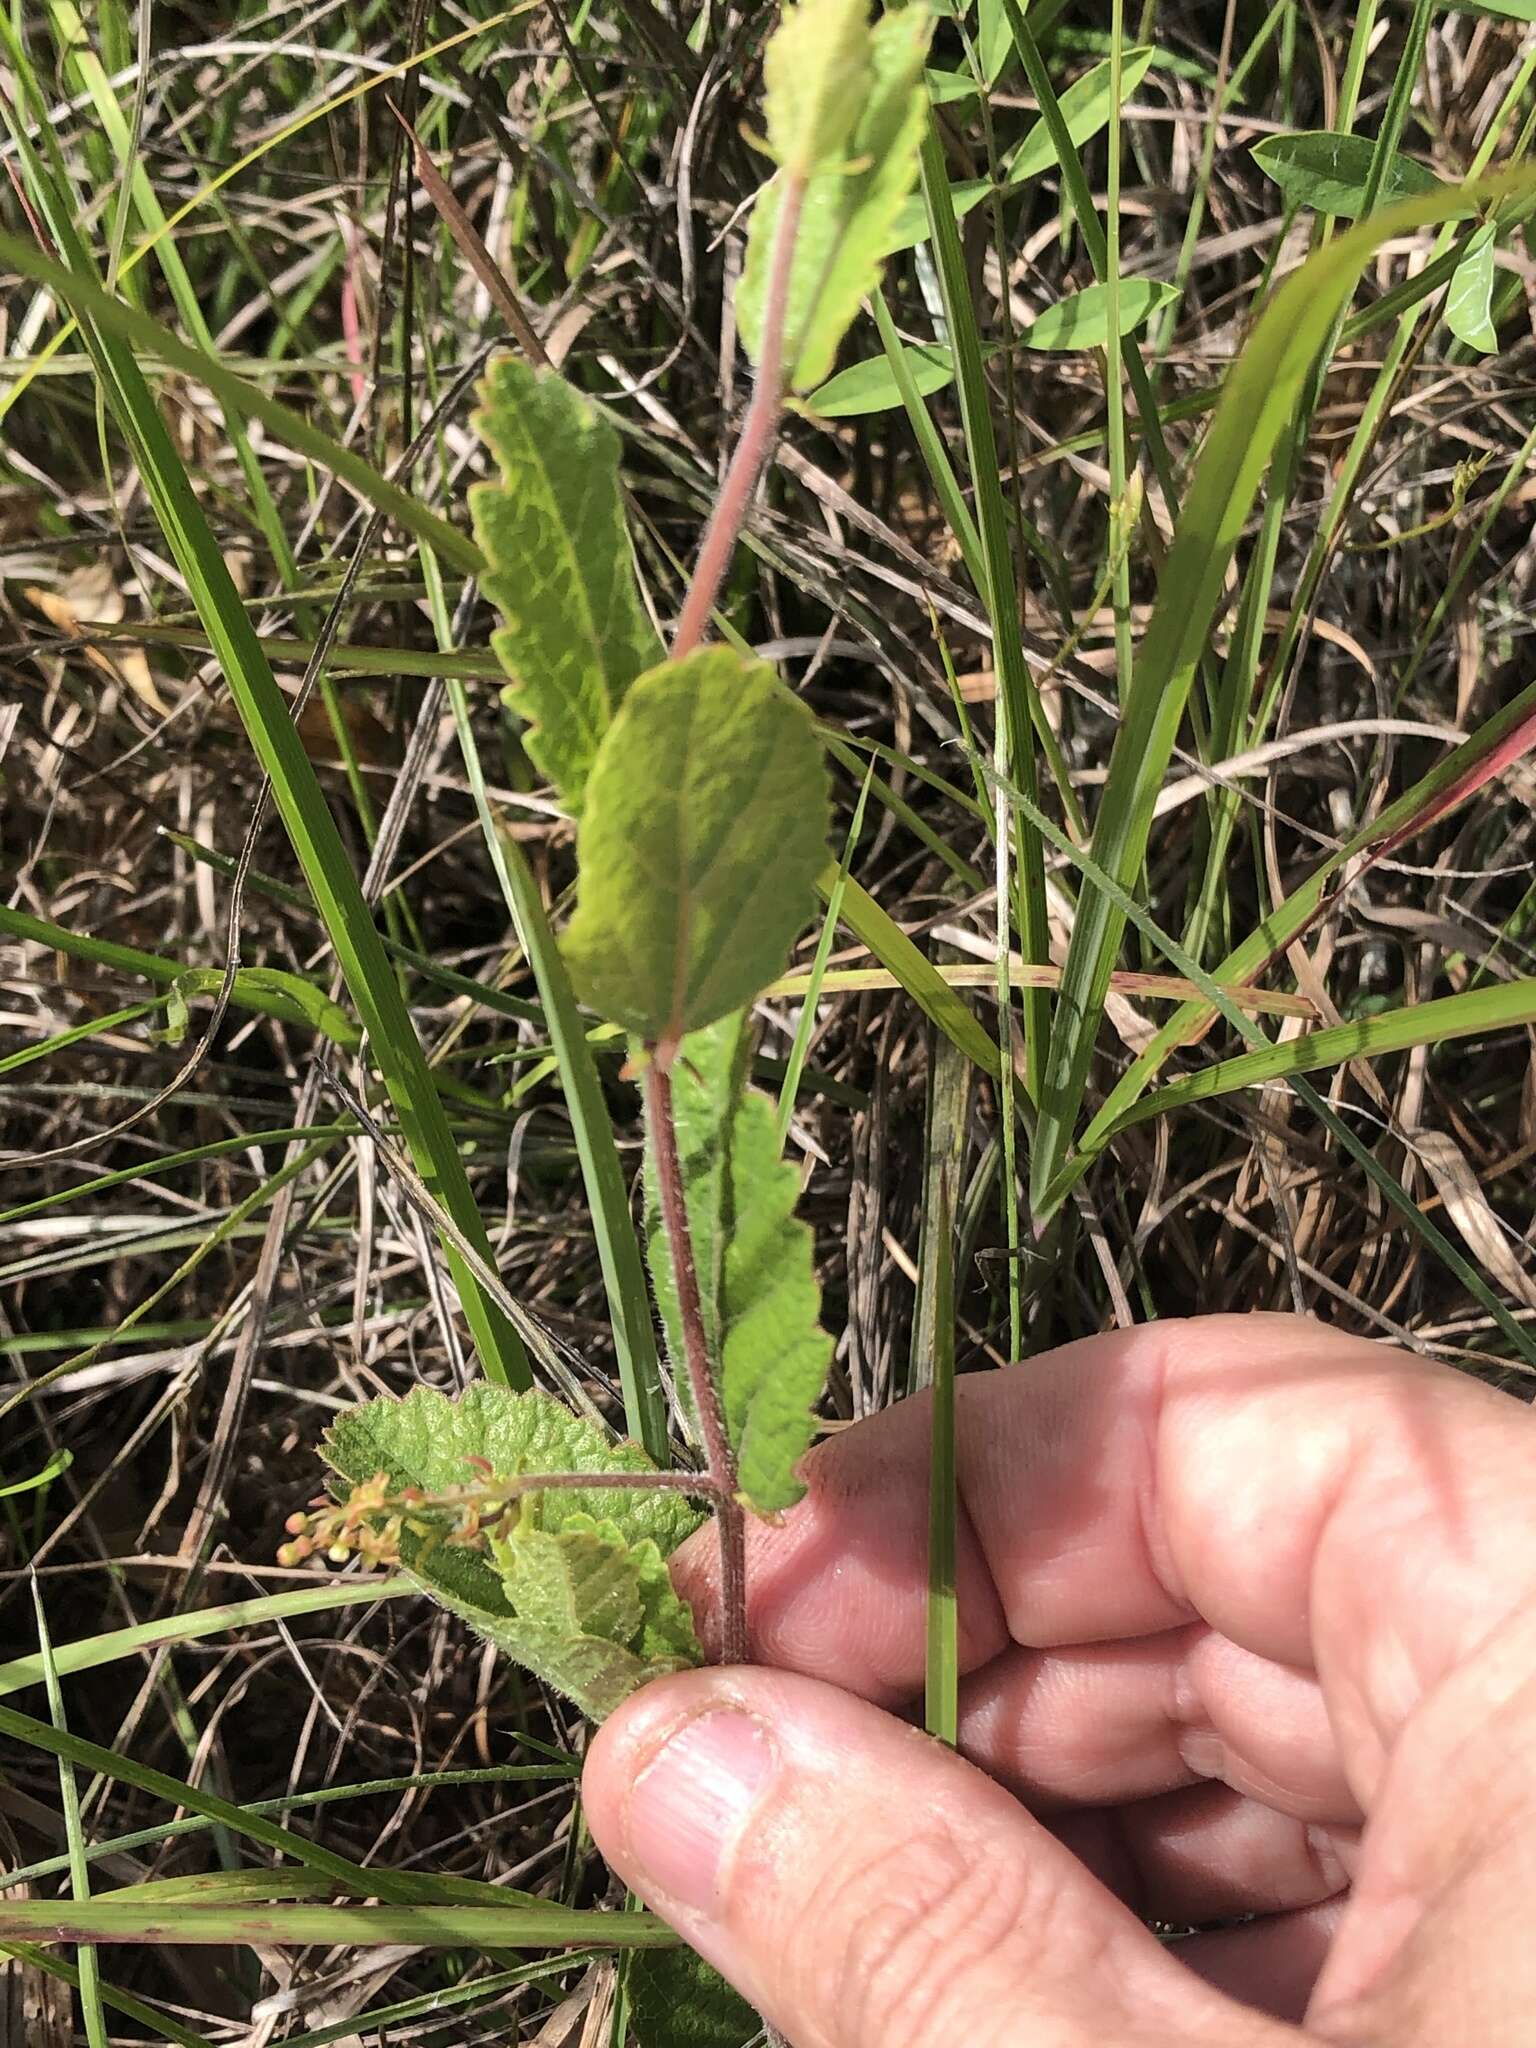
(269, 989)
(1086, 108)
(575, 634)
(571, 1582)
(870, 386)
(1469, 300)
(704, 830)
(1081, 320)
(851, 206)
(1328, 172)
(757, 1278)
(1503, 1007)
(677, 2001)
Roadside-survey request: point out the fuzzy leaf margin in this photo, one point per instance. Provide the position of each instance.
(757, 1278)
(579, 1591)
(850, 210)
(575, 633)
(704, 831)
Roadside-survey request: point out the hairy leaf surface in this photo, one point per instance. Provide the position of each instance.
(575, 634)
(850, 210)
(704, 831)
(757, 1278)
(577, 1589)
(677, 2001)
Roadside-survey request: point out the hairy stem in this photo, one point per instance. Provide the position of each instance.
(759, 431)
(729, 1521)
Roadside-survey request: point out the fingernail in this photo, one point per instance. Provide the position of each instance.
(687, 1807)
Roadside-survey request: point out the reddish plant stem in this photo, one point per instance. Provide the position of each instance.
(759, 432)
(729, 1521)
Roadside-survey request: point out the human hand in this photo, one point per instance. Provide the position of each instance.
(1227, 1589)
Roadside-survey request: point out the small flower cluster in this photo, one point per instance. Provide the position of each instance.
(370, 1522)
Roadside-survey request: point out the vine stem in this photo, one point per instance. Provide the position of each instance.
(730, 1523)
(759, 431)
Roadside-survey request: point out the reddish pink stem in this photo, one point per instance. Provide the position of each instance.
(759, 432)
(730, 1526)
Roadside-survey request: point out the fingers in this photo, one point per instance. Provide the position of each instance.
(1324, 1503)
(838, 1586)
(1274, 1963)
(1101, 1723)
(1208, 1854)
(861, 1885)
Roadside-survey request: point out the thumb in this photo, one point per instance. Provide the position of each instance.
(860, 1884)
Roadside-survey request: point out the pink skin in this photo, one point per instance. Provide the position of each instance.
(1227, 1590)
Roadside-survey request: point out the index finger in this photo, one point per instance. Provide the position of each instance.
(1322, 1501)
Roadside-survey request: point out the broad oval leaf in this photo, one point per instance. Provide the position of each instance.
(704, 831)
(1085, 106)
(1328, 172)
(577, 1590)
(1469, 298)
(758, 1291)
(574, 634)
(849, 211)
(870, 386)
(1082, 319)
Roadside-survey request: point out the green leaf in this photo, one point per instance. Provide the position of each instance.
(275, 992)
(815, 74)
(575, 634)
(265, 712)
(704, 831)
(59, 1462)
(1256, 402)
(870, 385)
(850, 208)
(945, 87)
(1505, 1006)
(1328, 172)
(677, 2001)
(1086, 107)
(1469, 300)
(578, 1589)
(757, 1279)
(1082, 319)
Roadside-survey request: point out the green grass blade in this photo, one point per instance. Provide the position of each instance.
(618, 1248)
(91, 1652)
(1508, 733)
(794, 1066)
(98, 310)
(451, 1925)
(1254, 407)
(1018, 700)
(74, 1835)
(264, 711)
(875, 928)
(295, 1802)
(1503, 1007)
(941, 1671)
(399, 1887)
(1419, 1224)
